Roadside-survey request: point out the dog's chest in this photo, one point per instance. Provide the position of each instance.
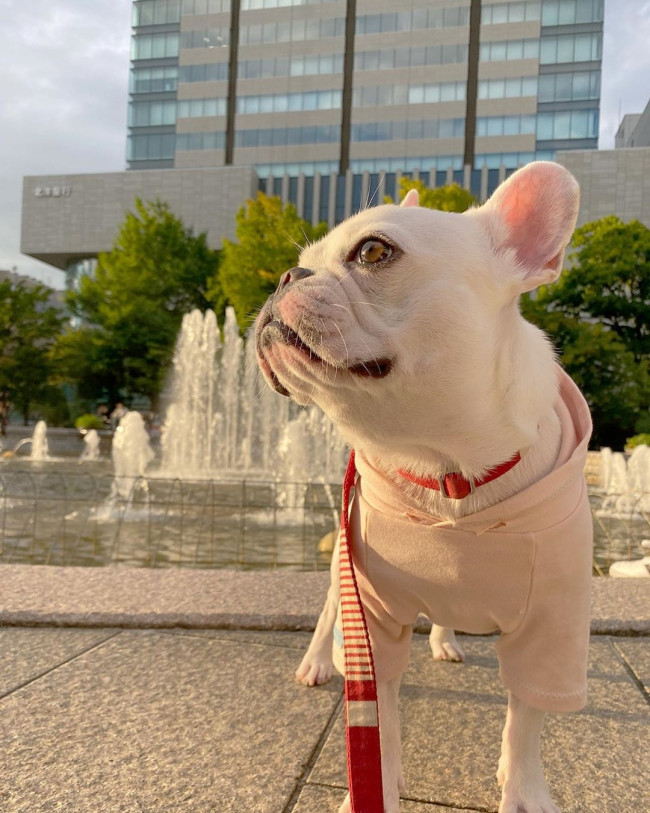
(475, 582)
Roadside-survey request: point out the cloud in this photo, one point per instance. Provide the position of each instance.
(65, 93)
(64, 101)
(626, 64)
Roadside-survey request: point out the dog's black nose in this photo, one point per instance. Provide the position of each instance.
(293, 275)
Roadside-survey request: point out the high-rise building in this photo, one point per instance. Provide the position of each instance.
(308, 86)
(326, 103)
(634, 130)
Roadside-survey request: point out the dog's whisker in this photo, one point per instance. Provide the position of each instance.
(370, 304)
(345, 344)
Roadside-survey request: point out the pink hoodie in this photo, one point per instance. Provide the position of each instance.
(521, 567)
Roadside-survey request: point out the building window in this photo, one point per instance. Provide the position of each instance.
(507, 88)
(200, 141)
(154, 46)
(213, 72)
(191, 7)
(412, 20)
(569, 12)
(152, 114)
(505, 125)
(499, 51)
(306, 168)
(150, 147)
(387, 58)
(199, 108)
(154, 80)
(401, 130)
(571, 48)
(297, 30)
(424, 164)
(205, 38)
(567, 124)
(290, 102)
(510, 13)
(156, 12)
(257, 4)
(288, 136)
(569, 87)
(511, 160)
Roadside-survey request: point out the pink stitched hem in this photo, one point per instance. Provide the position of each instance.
(543, 700)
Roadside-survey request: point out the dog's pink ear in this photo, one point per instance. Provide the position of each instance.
(412, 198)
(538, 205)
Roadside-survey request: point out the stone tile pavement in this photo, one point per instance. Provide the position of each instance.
(114, 720)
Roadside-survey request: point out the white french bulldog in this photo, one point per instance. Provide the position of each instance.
(403, 325)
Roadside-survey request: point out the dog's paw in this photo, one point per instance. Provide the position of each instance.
(444, 646)
(346, 808)
(525, 796)
(314, 671)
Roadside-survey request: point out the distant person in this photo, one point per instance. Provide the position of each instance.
(4, 414)
(118, 413)
(102, 414)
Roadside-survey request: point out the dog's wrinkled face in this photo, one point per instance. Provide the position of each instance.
(371, 313)
(397, 316)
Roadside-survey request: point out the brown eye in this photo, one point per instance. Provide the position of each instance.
(374, 251)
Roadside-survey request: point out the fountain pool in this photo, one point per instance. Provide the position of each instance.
(244, 479)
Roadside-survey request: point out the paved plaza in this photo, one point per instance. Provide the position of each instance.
(162, 711)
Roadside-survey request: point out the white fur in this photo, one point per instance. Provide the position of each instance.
(472, 383)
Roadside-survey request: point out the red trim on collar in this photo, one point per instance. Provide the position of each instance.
(454, 485)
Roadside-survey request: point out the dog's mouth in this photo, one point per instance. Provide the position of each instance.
(274, 330)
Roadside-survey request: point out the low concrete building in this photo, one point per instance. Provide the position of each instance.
(70, 218)
(634, 130)
(612, 182)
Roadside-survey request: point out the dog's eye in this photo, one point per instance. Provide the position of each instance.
(373, 252)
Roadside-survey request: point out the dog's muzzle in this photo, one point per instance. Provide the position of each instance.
(271, 329)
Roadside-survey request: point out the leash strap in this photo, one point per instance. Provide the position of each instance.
(361, 713)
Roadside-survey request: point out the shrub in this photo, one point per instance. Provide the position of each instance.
(638, 440)
(89, 421)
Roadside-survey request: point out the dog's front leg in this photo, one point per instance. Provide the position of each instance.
(391, 747)
(316, 666)
(520, 774)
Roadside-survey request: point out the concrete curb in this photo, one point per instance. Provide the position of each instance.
(134, 598)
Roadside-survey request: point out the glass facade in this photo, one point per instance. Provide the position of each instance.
(191, 7)
(569, 87)
(570, 12)
(156, 12)
(571, 48)
(568, 101)
(510, 13)
(154, 46)
(557, 42)
(154, 80)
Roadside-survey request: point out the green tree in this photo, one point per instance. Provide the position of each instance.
(598, 315)
(130, 311)
(449, 198)
(270, 236)
(29, 327)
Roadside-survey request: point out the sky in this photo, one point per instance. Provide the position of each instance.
(64, 95)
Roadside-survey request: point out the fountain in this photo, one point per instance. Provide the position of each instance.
(132, 454)
(224, 422)
(39, 442)
(626, 484)
(244, 480)
(621, 510)
(91, 446)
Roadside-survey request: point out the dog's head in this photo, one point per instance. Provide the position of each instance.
(403, 317)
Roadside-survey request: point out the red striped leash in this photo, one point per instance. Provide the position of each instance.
(361, 713)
